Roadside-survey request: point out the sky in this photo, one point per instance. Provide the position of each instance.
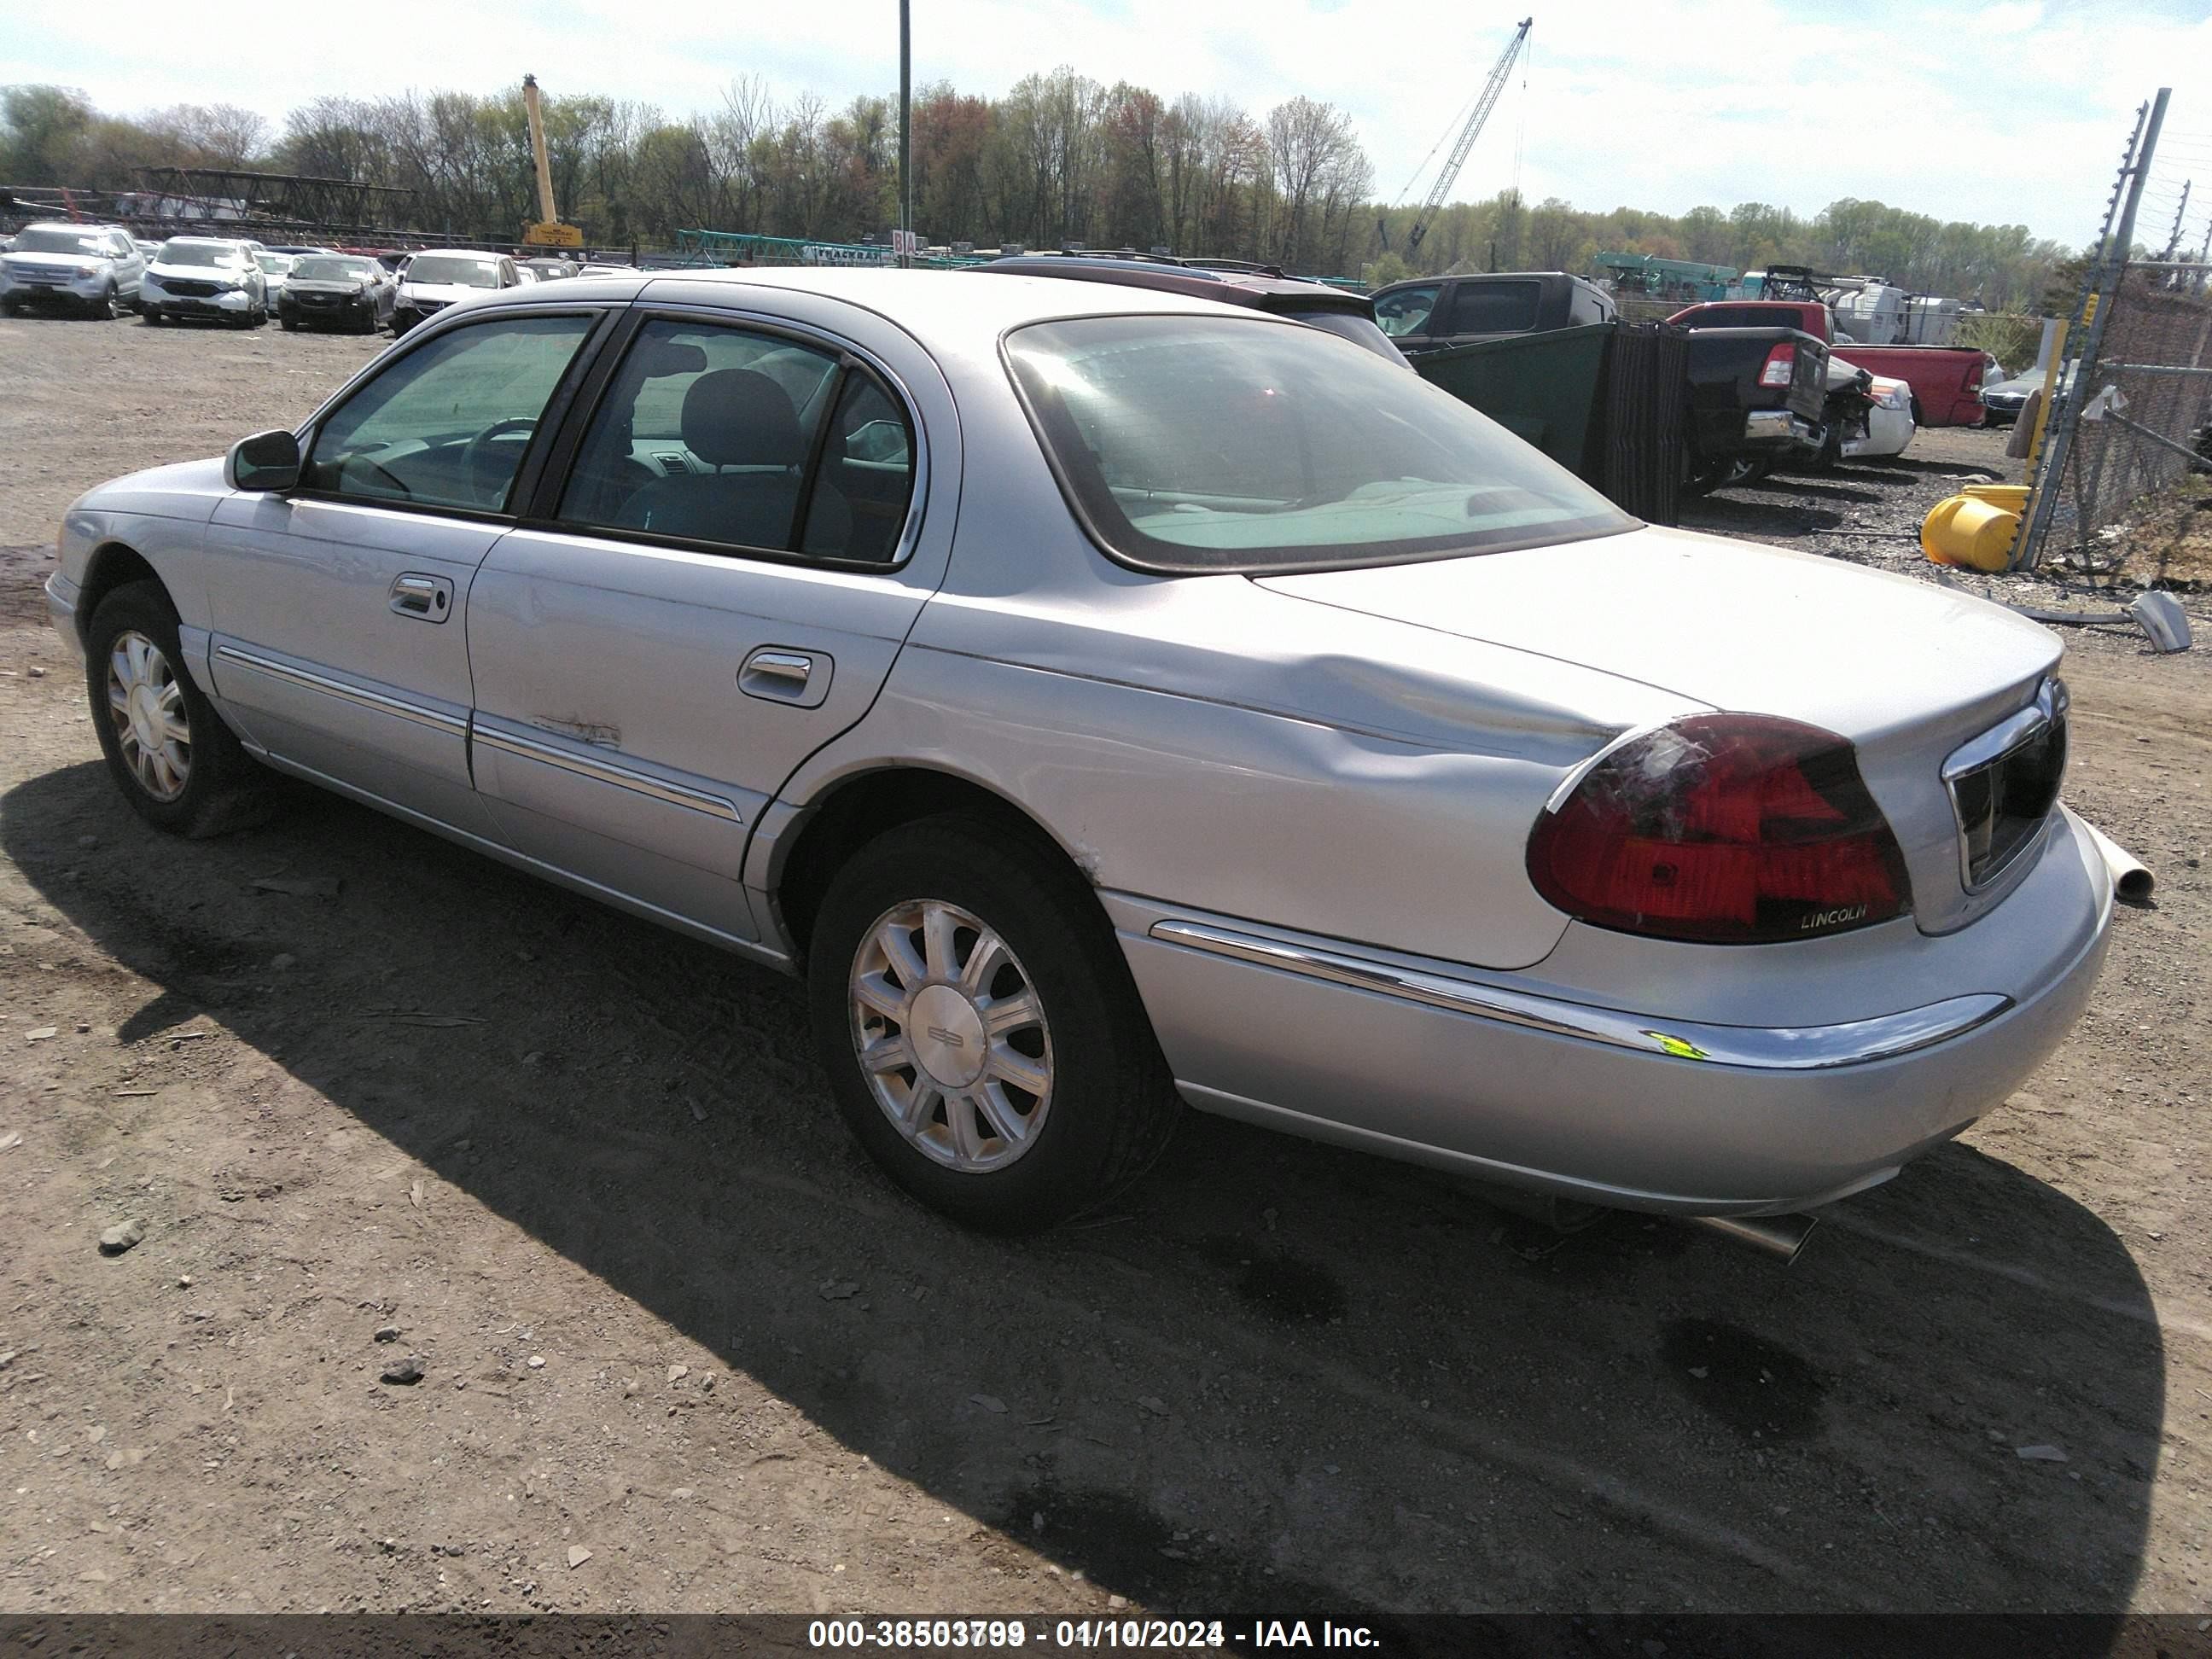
(2005, 111)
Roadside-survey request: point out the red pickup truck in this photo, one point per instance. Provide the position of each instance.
(1946, 380)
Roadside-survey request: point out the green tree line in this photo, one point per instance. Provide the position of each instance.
(1060, 158)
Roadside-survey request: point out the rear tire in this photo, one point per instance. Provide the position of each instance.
(1051, 1094)
(167, 749)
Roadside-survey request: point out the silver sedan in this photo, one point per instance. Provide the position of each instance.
(1108, 700)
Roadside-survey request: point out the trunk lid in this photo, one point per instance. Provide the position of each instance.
(1908, 672)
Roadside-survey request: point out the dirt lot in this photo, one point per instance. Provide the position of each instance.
(684, 1350)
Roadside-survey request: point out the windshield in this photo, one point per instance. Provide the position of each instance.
(332, 271)
(1192, 444)
(445, 268)
(1355, 328)
(40, 240)
(275, 264)
(201, 253)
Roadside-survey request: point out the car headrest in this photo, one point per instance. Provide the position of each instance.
(735, 418)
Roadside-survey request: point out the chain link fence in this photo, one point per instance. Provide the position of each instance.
(2139, 410)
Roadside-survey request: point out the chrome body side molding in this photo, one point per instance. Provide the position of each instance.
(1781, 1049)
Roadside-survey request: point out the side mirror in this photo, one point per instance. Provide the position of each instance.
(267, 460)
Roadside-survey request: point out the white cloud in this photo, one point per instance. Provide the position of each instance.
(2010, 112)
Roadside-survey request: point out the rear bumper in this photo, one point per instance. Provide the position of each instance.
(1780, 429)
(1467, 1071)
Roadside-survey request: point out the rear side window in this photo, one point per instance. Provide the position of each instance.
(738, 439)
(1494, 307)
(447, 424)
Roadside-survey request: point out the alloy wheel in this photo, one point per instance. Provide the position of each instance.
(950, 1034)
(146, 701)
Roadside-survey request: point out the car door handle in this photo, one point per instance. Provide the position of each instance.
(798, 678)
(427, 598)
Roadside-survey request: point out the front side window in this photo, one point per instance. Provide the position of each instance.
(1405, 312)
(447, 425)
(1195, 445)
(741, 439)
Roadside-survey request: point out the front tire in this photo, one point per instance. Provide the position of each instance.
(983, 1038)
(167, 749)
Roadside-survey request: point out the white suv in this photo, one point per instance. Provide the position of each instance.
(216, 278)
(94, 269)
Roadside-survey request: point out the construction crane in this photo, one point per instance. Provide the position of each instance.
(1449, 176)
(548, 231)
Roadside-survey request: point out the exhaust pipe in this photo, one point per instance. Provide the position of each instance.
(2132, 881)
(1777, 1235)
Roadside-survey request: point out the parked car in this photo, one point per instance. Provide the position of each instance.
(1424, 313)
(146, 250)
(274, 268)
(1337, 310)
(92, 269)
(1888, 428)
(434, 280)
(213, 277)
(1757, 399)
(547, 269)
(2005, 399)
(337, 290)
(1098, 694)
(1946, 380)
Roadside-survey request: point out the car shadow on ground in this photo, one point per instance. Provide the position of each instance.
(1724, 510)
(1272, 1372)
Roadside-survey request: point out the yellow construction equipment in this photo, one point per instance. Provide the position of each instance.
(548, 231)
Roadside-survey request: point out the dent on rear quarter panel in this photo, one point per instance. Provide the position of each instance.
(1229, 810)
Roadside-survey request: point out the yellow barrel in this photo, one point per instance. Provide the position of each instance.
(2013, 498)
(1966, 531)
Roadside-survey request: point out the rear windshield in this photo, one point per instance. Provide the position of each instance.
(201, 253)
(444, 267)
(58, 242)
(1194, 444)
(314, 269)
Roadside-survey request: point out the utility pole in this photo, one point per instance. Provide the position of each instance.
(906, 126)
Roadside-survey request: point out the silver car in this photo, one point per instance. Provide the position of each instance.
(1105, 698)
(92, 269)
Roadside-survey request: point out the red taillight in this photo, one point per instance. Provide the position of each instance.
(1781, 364)
(1727, 829)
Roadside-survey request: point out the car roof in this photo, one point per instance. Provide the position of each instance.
(82, 227)
(925, 303)
(1264, 291)
(460, 252)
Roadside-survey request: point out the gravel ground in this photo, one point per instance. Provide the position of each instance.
(681, 1349)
